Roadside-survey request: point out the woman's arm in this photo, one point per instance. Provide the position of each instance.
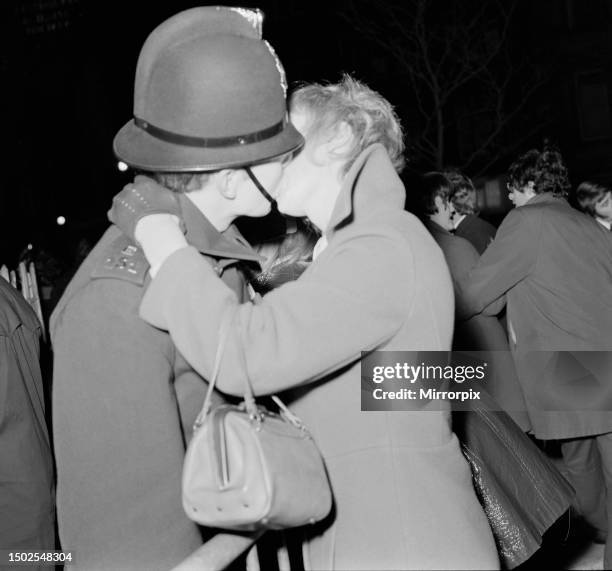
(353, 298)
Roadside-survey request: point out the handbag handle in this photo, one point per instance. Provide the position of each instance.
(249, 398)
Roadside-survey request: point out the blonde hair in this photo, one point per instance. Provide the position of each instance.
(370, 116)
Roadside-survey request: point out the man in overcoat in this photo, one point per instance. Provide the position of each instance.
(27, 507)
(124, 398)
(554, 269)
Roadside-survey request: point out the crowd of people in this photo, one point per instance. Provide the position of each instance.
(135, 334)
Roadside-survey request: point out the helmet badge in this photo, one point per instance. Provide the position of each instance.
(279, 67)
(253, 16)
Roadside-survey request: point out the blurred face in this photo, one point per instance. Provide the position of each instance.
(520, 196)
(603, 207)
(445, 214)
(465, 200)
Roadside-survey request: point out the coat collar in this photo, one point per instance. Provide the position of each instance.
(546, 197)
(209, 241)
(370, 185)
(435, 228)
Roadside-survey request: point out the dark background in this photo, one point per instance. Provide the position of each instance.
(68, 68)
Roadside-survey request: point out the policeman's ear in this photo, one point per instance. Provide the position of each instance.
(529, 189)
(228, 182)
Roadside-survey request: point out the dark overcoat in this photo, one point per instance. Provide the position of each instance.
(553, 265)
(27, 502)
(483, 333)
(476, 231)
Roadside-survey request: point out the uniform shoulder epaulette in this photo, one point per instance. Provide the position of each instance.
(122, 260)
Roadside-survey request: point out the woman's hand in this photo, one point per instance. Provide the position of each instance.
(160, 236)
(151, 215)
(142, 198)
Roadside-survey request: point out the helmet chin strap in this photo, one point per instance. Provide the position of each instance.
(259, 186)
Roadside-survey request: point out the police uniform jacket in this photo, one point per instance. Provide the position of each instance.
(124, 402)
(403, 491)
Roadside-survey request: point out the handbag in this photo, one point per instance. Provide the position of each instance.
(247, 468)
(521, 491)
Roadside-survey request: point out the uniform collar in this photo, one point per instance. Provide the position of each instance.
(209, 241)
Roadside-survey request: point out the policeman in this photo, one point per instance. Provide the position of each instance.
(210, 123)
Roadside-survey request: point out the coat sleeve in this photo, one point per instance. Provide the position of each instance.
(26, 469)
(461, 257)
(508, 260)
(355, 296)
(118, 439)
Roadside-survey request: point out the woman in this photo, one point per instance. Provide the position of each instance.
(403, 493)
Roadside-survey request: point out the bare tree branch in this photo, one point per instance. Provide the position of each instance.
(460, 68)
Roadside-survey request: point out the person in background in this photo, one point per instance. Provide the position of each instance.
(403, 492)
(596, 200)
(27, 487)
(481, 332)
(551, 265)
(125, 400)
(467, 223)
(511, 461)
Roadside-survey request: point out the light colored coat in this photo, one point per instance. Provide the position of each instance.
(553, 264)
(403, 491)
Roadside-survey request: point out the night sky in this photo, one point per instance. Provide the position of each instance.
(70, 90)
(69, 66)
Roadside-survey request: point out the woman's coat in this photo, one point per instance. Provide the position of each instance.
(403, 491)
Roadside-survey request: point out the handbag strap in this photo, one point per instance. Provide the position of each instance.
(223, 334)
(249, 398)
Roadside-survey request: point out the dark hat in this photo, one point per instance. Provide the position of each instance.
(209, 94)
